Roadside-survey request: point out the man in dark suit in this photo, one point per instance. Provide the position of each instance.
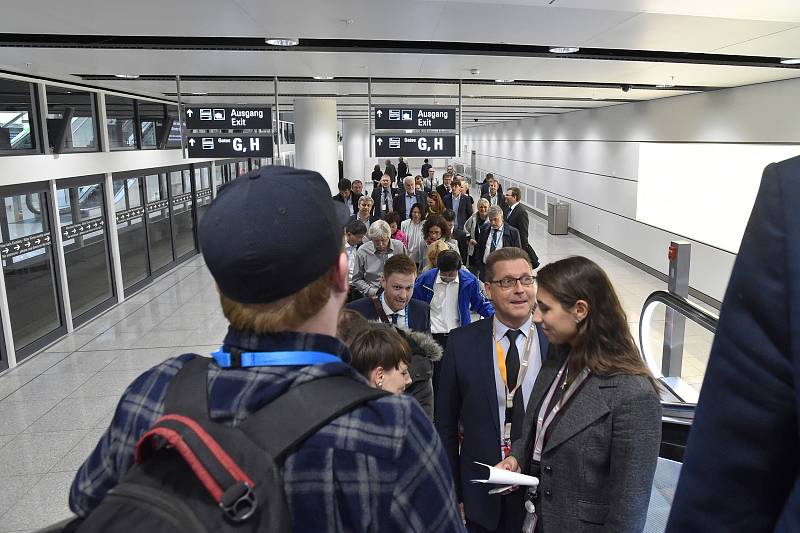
(494, 194)
(402, 172)
(458, 235)
(472, 384)
(500, 235)
(485, 185)
(424, 169)
(405, 200)
(445, 188)
(517, 216)
(347, 197)
(390, 170)
(741, 471)
(383, 197)
(460, 203)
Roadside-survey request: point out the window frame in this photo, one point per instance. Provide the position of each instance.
(33, 118)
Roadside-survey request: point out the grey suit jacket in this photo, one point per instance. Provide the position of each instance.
(600, 457)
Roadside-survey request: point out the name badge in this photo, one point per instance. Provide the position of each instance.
(509, 401)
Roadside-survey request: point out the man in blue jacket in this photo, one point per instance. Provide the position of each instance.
(451, 292)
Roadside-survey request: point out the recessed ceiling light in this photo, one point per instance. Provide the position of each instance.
(126, 76)
(563, 49)
(198, 94)
(283, 41)
(323, 77)
(791, 61)
(504, 81)
(664, 86)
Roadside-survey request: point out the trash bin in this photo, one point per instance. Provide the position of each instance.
(557, 218)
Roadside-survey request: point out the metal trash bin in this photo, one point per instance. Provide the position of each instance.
(557, 218)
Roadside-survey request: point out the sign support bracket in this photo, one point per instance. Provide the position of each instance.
(180, 115)
(277, 123)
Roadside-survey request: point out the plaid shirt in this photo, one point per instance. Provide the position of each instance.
(380, 467)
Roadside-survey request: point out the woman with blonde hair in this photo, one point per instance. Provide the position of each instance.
(435, 204)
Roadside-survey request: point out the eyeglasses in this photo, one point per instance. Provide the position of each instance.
(507, 283)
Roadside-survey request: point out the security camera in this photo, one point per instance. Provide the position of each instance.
(625, 88)
(475, 119)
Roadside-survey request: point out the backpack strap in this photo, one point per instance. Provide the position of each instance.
(376, 303)
(187, 392)
(285, 422)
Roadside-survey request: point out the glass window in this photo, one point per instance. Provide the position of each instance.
(174, 140)
(85, 246)
(29, 268)
(120, 122)
(16, 116)
(151, 123)
(80, 133)
(202, 186)
(182, 218)
(131, 233)
(159, 227)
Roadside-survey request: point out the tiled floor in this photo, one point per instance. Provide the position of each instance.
(54, 406)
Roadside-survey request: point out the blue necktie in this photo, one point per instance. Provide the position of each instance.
(493, 247)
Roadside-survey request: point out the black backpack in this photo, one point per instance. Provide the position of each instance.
(194, 475)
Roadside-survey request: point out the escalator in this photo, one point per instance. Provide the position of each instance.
(679, 393)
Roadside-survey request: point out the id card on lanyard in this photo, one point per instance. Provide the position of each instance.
(550, 408)
(505, 437)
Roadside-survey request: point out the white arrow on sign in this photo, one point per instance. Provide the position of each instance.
(4, 251)
(379, 141)
(189, 112)
(16, 247)
(37, 242)
(379, 113)
(191, 141)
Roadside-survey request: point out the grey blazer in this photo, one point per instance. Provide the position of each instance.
(598, 462)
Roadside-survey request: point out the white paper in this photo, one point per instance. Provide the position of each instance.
(499, 476)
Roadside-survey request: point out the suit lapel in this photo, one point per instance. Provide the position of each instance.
(487, 369)
(585, 407)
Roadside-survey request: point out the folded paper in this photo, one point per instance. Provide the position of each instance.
(499, 476)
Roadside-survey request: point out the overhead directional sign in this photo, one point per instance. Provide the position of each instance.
(415, 145)
(213, 117)
(405, 117)
(240, 146)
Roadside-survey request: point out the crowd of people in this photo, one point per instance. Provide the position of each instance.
(433, 297)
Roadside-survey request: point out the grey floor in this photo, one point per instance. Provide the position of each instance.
(55, 405)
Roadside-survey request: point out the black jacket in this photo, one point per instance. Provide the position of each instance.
(518, 218)
(400, 203)
(424, 352)
(354, 196)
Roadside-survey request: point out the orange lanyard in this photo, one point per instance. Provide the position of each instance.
(501, 359)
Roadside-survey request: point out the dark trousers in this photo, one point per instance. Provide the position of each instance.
(512, 515)
(441, 340)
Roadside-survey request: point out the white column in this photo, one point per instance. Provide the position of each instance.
(355, 144)
(316, 146)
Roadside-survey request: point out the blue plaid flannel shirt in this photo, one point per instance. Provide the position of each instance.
(380, 467)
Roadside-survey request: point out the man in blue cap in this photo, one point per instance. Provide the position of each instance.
(379, 467)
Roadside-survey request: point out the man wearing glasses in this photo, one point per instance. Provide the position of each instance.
(488, 371)
(500, 235)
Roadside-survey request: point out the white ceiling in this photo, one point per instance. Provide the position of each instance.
(740, 27)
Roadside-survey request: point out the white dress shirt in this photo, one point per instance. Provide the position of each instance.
(534, 363)
(489, 242)
(402, 319)
(351, 259)
(444, 305)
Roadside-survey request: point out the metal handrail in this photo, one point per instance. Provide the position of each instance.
(692, 311)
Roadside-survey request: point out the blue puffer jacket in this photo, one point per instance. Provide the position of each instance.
(469, 293)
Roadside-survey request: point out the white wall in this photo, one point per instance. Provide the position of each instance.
(591, 159)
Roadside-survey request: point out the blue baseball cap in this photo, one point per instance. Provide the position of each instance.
(270, 233)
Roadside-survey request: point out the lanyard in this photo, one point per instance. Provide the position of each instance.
(545, 419)
(501, 361)
(249, 359)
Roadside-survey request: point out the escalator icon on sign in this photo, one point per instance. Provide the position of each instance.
(394, 143)
(208, 143)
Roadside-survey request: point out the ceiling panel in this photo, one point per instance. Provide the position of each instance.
(783, 44)
(649, 31)
(786, 10)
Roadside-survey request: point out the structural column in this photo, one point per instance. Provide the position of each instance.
(316, 145)
(355, 145)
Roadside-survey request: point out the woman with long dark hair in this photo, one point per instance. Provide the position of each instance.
(435, 204)
(593, 426)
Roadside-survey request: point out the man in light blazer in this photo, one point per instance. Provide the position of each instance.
(471, 391)
(741, 471)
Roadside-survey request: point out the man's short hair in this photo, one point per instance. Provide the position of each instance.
(344, 184)
(510, 253)
(379, 229)
(409, 179)
(350, 324)
(447, 174)
(355, 227)
(449, 215)
(357, 181)
(367, 199)
(399, 264)
(448, 261)
(494, 210)
(514, 191)
(489, 176)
